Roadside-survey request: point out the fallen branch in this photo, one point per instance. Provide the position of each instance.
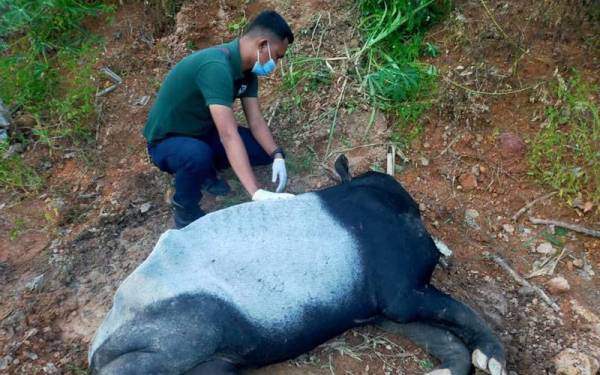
(499, 261)
(516, 216)
(573, 227)
(107, 90)
(275, 107)
(507, 92)
(112, 75)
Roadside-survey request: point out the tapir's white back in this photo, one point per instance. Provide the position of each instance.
(269, 259)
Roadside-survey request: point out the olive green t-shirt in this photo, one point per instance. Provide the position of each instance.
(209, 76)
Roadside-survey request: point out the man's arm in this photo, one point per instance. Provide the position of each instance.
(234, 146)
(258, 126)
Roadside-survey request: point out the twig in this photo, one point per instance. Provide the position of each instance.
(112, 75)
(547, 267)
(573, 227)
(335, 115)
(509, 39)
(509, 92)
(499, 261)
(107, 90)
(516, 216)
(337, 152)
(273, 113)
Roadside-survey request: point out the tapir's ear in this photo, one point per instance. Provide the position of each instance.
(342, 168)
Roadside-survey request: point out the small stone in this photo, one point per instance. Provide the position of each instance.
(545, 248)
(526, 291)
(5, 362)
(422, 207)
(36, 283)
(426, 145)
(571, 362)
(31, 355)
(508, 228)
(145, 207)
(471, 216)
(511, 145)
(467, 181)
(50, 368)
(475, 170)
(483, 169)
(578, 263)
(424, 161)
(558, 285)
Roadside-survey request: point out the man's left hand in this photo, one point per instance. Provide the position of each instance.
(279, 172)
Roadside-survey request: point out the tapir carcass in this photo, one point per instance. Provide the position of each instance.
(262, 282)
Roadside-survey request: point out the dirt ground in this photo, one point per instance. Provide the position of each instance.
(64, 252)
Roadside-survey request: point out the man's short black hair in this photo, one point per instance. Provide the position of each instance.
(270, 21)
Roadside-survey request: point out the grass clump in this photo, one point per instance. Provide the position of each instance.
(565, 154)
(47, 71)
(15, 173)
(394, 79)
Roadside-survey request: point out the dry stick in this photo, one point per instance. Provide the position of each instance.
(516, 216)
(489, 93)
(573, 227)
(502, 263)
(334, 122)
(273, 113)
(509, 39)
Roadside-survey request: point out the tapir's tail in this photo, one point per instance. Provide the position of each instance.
(342, 168)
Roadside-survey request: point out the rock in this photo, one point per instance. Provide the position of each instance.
(571, 362)
(475, 170)
(5, 362)
(558, 285)
(471, 216)
(511, 145)
(424, 161)
(4, 116)
(37, 283)
(468, 181)
(526, 291)
(31, 355)
(145, 207)
(545, 248)
(508, 228)
(50, 368)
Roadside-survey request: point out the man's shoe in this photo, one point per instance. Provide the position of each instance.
(215, 186)
(184, 216)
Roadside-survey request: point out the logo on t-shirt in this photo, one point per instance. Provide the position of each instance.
(242, 89)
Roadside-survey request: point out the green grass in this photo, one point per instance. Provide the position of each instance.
(15, 174)
(47, 71)
(565, 154)
(304, 74)
(393, 78)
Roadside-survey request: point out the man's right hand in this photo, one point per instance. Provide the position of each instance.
(264, 195)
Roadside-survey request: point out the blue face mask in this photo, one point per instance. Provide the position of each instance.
(266, 68)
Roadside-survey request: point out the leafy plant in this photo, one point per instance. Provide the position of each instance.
(393, 79)
(46, 63)
(565, 154)
(15, 173)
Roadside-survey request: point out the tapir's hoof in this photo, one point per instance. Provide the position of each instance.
(441, 371)
(489, 365)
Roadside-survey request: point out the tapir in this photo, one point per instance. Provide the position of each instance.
(262, 282)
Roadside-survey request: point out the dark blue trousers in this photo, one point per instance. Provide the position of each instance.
(194, 160)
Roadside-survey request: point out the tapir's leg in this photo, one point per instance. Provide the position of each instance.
(214, 367)
(136, 363)
(430, 305)
(454, 356)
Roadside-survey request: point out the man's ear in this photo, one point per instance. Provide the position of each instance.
(262, 43)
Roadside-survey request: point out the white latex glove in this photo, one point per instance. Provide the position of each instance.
(280, 172)
(263, 195)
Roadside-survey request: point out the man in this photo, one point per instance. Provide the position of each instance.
(191, 130)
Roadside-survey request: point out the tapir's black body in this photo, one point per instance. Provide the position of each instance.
(203, 333)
